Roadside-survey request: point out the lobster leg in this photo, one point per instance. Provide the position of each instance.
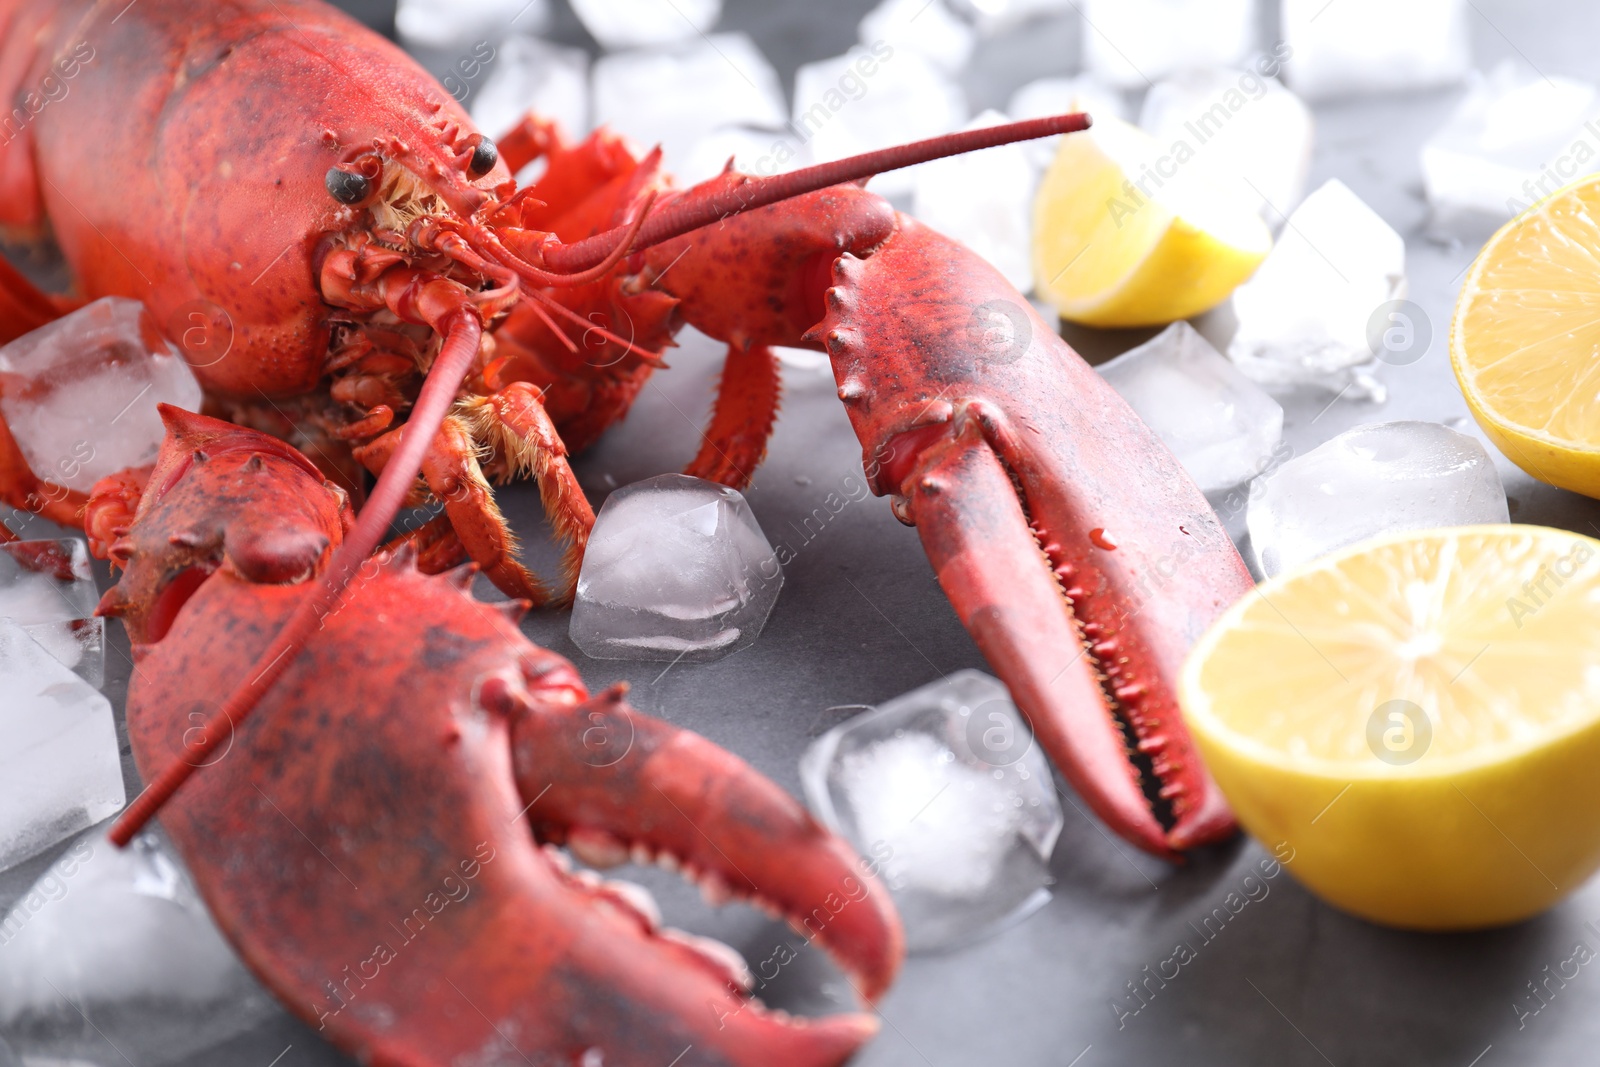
(735, 442)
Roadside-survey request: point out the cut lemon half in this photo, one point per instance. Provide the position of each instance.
(1525, 342)
(1127, 233)
(1413, 723)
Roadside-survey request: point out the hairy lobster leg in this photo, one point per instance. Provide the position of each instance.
(735, 442)
(113, 503)
(435, 545)
(450, 468)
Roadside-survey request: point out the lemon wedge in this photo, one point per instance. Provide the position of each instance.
(1413, 723)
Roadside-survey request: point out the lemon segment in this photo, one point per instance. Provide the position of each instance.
(1415, 721)
(1125, 234)
(1525, 340)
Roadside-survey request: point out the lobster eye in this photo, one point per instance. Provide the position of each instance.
(484, 157)
(346, 187)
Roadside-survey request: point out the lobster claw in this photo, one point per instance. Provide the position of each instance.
(1078, 554)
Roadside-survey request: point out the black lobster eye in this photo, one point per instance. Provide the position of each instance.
(347, 187)
(484, 157)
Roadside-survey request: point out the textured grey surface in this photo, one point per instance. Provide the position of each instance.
(1287, 981)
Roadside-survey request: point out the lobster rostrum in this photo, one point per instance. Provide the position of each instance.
(365, 840)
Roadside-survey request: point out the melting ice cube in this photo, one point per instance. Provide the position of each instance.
(60, 767)
(646, 23)
(1222, 427)
(1373, 479)
(1516, 137)
(1248, 128)
(80, 394)
(985, 201)
(678, 96)
(1354, 47)
(530, 74)
(676, 567)
(1306, 315)
(459, 23)
(1130, 43)
(923, 26)
(47, 588)
(943, 789)
(111, 954)
(873, 98)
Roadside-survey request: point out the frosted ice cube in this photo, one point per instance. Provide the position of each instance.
(997, 16)
(676, 567)
(1222, 427)
(1516, 137)
(985, 201)
(534, 75)
(923, 26)
(646, 23)
(1373, 479)
(761, 152)
(111, 954)
(1061, 96)
(1354, 47)
(1131, 43)
(873, 98)
(945, 790)
(676, 97)
(457, 23)
(1247, 128)
(48, 589)
(80, 394)
(60, 766)
(1304, 316)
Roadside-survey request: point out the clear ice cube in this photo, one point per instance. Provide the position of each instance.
(1130, 43)
(80, 393)
(1374, 479)
(1044, 97)
(111, 954)
(675, 97)
(1516, 137)
(48, 589)
(1357, 47)
(60, 765)
(676, 568)
(534, 75)
(944, 790)
(1222, 427)
(923, 26)
(872, 98)
(1305, 316)
(620, 24)
(760, 152)
(443, 24)
(985, 201)
(1247, 128)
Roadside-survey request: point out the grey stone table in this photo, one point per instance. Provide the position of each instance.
(1287, 980)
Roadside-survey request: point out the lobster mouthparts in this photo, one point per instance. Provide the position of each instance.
(1078, 554)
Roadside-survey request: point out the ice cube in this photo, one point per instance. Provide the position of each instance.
(872, 98)
(998, 16)
(47, 588)
(443, 24)
(530, 74)
(676, 97)
(1061, 96)
(1516, 137)
(646, 23)
(1373, 479)
(944, 790)
(676, 568)
(1304, 317)
(1131, 43)
(1246, 127)
(985, 201)
(60, 766)
(1222, 427)
(761, 152)
(80, 394)
(111, 958)
(1354, 47)
(923, 26)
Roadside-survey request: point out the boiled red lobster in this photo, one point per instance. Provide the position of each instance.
(350, 267)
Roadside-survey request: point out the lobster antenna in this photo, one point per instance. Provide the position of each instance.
(692, 212)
